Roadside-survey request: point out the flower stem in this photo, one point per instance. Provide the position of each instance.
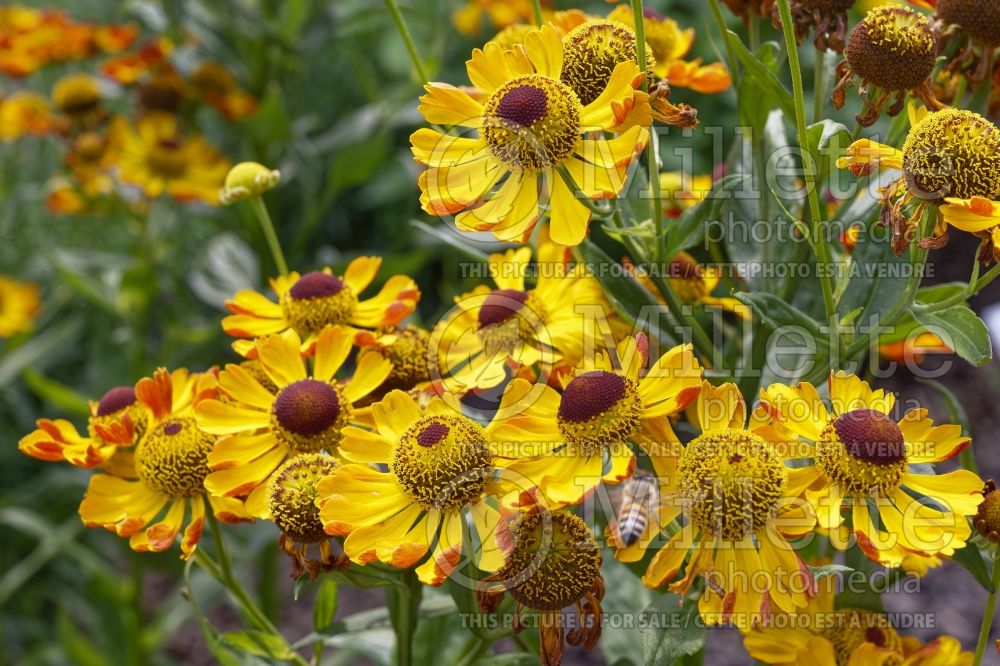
(823, 256)
(720, 21)
(653, 149)
(228, 580)
(404, 32)
(260, 210)
(702, 342)
(403, 599)
(537, 7)
(991, 606)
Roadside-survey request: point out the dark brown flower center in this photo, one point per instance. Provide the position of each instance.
(871, 436)
(523, 105)
(307, 407)
(116, 400)
(500, 306)
(433, 434)
(316, 285)
(590, 395)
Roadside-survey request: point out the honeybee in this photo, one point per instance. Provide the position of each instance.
(639, 497)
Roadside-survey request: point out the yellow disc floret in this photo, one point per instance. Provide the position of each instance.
(509, 317)
(308, 415)
(408, 354)
(317, 299)
(864, 451)
(730, 483)
(662, 34)
(850, 627)
(953, 153)
(893, 47)
(987, 519)
(591, 52)
(599, 409)
(443, 462)
(554, 561)
(291, 497)
(173, 458)
(531, 122)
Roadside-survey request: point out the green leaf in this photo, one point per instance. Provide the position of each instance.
(878, 277)
(971, 559)
(775, 312)
(689, 228)
(325, 605)
(671, 630)
(258, 643)
(936, 293)
(822, 572)
(961, 330)
(827, 140)
(39, 348)
(629, 298)
(620, 643)
(767, 83)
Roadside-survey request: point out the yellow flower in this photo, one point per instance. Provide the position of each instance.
(150, 494)
(89, 159)
(117, 421)
(219, 89)
(157, 157)
(76, 94)
(532, 130)
(948, 155)
(437, 473)
(979, 216)
(24, 113)
(730, 484)
(692, 282)
(681, 191)
(824, 635)
(303, 413)
(307, 303)
(893, 51)
(554, 563)
(19, 305)
(669, 45)
(856, 457)
(468, 19)
(407, 348)
(566, 443)
(550, 326)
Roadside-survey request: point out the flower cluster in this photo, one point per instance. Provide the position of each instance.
(477, 449)
(107, 155)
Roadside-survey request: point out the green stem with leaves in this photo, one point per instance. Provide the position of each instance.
(991, 606)
(823, 256)
(404, 32)
(222, 571)
(267, 226)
